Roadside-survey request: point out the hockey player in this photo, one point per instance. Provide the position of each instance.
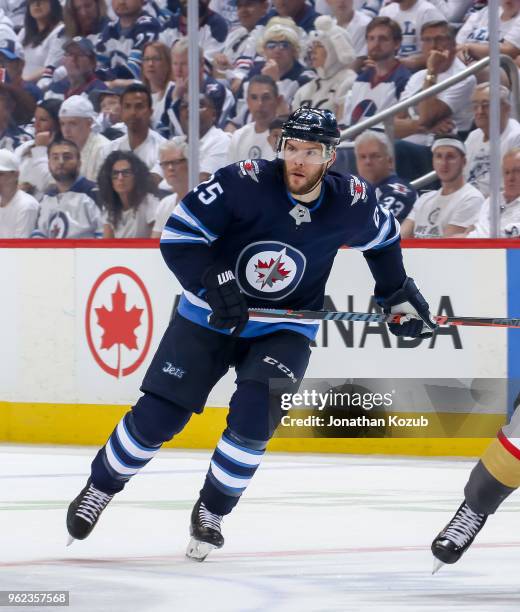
(492, 480)
(256, 234)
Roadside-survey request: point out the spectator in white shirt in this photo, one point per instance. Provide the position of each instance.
(251, 140)
(239, 51)
(411, 15)
(127, 193)
(174, 165)
(455, 206)
(214, 142)
(447, 112)
(136, 113)
(477, 142)
(18, 210)
(77, 117)
(68, 210)
(331, 55)
(355, 23)
(42, 24)
(509, 226)
(156, 75)
(380, 84)
(473, 37)
(35, 177)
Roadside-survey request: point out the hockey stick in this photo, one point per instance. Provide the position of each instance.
(374, 317)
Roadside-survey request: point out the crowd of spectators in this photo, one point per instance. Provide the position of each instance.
(94, 108)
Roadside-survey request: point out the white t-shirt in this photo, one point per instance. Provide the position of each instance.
(357, 29)
(42, 55)
(247, 143)
(158, 103)
(411, 22)
(213, 150)
(509, 226)
(34, 167)
(477, 154)
(164, 210)
(433, 212)
(93, 155)
(147, 151)
(457, 98)
(18, 218)
(476, 29)
(135, 222)
(454, 10)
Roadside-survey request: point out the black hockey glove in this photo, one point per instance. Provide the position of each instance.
(409, 300)
(225, 299)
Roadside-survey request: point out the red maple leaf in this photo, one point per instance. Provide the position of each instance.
(274, 274)
(119, 324)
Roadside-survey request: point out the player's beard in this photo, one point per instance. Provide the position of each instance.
(309, 184)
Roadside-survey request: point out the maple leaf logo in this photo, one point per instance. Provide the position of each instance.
(119, 324)
(271, 272)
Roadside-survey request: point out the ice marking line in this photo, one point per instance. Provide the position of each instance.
(241, 555)
(182, 471)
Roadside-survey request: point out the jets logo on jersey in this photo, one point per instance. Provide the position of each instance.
(58, 225)
(358, 190)
(399, 188)
(250, 168)
(269, 270)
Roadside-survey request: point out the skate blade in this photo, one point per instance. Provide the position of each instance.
(198, 550)
(437, 564)
(70, 539)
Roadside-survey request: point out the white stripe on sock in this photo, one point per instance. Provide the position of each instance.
(229, 481)
(116, 464)
(129, 445)
(238, 454)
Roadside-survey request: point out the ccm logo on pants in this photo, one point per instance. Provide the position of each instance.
(281, 367)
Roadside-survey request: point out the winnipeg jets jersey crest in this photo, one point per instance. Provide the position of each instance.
(242, 216)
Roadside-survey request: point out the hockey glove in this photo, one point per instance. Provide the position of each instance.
(225, 299)
(409, 300)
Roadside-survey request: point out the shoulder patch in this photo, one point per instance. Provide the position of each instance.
(399, 188)
(358, 190)
(249, 167)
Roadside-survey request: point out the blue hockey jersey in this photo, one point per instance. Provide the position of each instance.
(396, 195)
(281, 251)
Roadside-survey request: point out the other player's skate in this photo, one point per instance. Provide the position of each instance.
(84, 511)
(205, 532)
(455, 539)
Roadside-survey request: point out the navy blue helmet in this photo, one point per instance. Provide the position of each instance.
(315, 124)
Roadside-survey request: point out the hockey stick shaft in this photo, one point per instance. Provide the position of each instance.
(374, 317)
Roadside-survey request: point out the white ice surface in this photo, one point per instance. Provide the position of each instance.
(313, 532)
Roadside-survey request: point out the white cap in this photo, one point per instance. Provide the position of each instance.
(77, 106)
(8, 161)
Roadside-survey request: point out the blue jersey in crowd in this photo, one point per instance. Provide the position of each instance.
(280, 251)
(396, 195)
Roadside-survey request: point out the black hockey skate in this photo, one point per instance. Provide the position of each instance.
(205, 532)
(455, 539)
(85, 510)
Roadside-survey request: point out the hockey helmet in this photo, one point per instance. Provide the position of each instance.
(311, 124)
(316, 124)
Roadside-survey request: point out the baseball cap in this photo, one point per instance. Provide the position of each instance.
(77, 106)
(11, 49)
(83, 44)
(8, 161)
